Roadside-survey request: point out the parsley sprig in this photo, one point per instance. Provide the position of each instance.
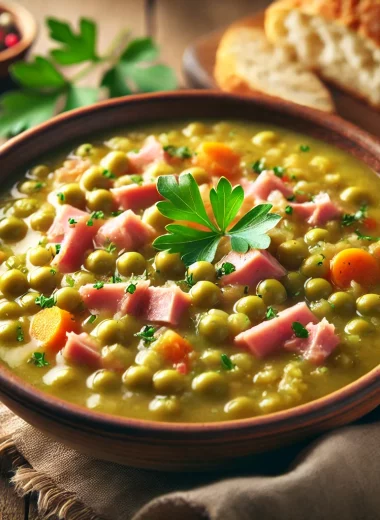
(147, 334)
(357, 217)
(184, 202)
(299, 330)
(38, 359)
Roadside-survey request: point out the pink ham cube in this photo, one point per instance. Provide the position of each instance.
(61, 224)
(166, 305)
(269, 336)
(82, 349)
(317, 212)
(265, 183)
(251, 267)
(137, 302)
(135, 196)
(72, 170)
(151, 151)
(321, 341)
(127, 231)
(108, 298)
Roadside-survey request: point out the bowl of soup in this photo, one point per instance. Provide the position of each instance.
(189, 278)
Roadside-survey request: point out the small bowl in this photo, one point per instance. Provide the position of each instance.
(184, 446)
(27, 26)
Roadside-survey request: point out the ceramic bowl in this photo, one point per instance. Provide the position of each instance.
(168, 446)
(28, 31)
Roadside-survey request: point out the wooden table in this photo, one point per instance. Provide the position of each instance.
(174, 24)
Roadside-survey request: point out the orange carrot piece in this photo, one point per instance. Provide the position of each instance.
(354, 264)
(218, 159)
(49, 327)
(173, 347)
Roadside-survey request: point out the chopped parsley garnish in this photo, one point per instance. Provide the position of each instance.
(147, 334)
(20, 334)
(98, 285)
(111, 247)
(69, 280)
(108, 174)
(61, 196)
(57, 248)
(53, 271)
(45, 303)
(289, 210)
(137, 179)
(72, 221)
(189, 279)
(131, 288)
(39, 185)
(349, 219)
(115, 278)
(299, 330)
(226, 268)
(366, 237)
(258, 166)
(304, 148)
(320, 262)
(184, 202)
(92, 318)
(182, 152)
(279, 171)
(271, 313)
(226, 362)
(291, 198)
(116, 213)
(94, 215)
(38, 359)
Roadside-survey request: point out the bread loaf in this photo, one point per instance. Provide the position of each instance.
(246, 63)
(339, 39)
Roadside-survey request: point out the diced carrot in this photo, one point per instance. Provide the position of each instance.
(49, 327)
(217, 159)
(354, 264)
(173, 347)
(370, 223)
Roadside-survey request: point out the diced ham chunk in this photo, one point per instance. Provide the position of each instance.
(137, 302)
(318, 346)
(72, 170)
(127, 231)
(108, 298)
(265, 183)
(61, 224)
(151, 151)
(77, 240)
(269, 336)
(251, 267)
(317, 212)
(82, 349)
(135, 196)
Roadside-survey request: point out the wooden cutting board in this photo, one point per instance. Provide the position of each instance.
(198, 66)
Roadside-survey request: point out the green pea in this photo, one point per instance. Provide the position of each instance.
(368, 305)
(41, 220)
(124, 180)
(253, 307)
(117, 356)
(44, 279)
(130, 325)
(213, 327)
(316, 266)
(237, 323)
(31, 187)
(201, 271)
(205, 294)
(200, 175)
(101, 200)
(241, 407)
(359, 327)
(41, 171)
(9, 310)
(10, 331)
(28, 303)
(243, 360)
(272, 292)
(131, 263)
(356, 195)
(105, 380)
(318, 288)
(39, 256)
(12, 229)
(138, 378)
(94, 178)
(232, 293)
(61, 377)
(71, 194)
(84, 150)
(169, 264)
(25, 207)
(211, 358)
(294, 283)
(210, 384)
(151, 359)
(120, 143)
(321, 308)
(292, 253)
(168, 382)
(165, 407)
(343, 303)
(13, 283)
(69, 299)
(154, 218)
(313, 236)
(80, 278)
(115, 162)
(110, 331)
(100, 262)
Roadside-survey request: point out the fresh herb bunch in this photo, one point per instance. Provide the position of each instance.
(129, 65)
(184, 202)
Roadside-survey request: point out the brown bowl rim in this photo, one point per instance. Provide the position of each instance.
(19, 390)
(27, 28)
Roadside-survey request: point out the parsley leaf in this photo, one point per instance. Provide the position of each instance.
(115, 278)
(299, 330)
(80, 97)
(20, 334)
(271, 313)
(182, 152)
(76, 48)
(304, 148)
(37, 74)
(38, 359)
(349, 219)
(61, 196)
(226, 268)
(111, 247)
(289, 210)
(184, 202)
(279, 171)
(45, 303)
(98, 285)
(147, 334)
(72, 221)
(69, 280)
(366, 237)
(94, 215)
(92, 318)
(258, 166)
(131, 288)
(108, 174)
(226, 362)
(137, 179)
(189, 279)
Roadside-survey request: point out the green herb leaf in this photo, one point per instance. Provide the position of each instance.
(76, 48)
(108, 174)
(70, 280)
(279, 171)
(45, 303)
(131, 288)
(20, 334)
(80, 97)
(226, 362)
(98, 285)
(57, 248)
(61, 196)
(289, 210)
(366, 237)
(299, 330)
(92, 318)
(72, 221)
(258, 166)
(53, 271)
(111, 247)
(116, 213)
(38, 359)
(271, 313)
(182, 152)
(226, 268)
(291, 198)
(94, 215)
(304, 148)
(115, 278)
(137, 179)
(359, 216)
(147, 334)
(37, 74)
(189, 279)
(226, 202)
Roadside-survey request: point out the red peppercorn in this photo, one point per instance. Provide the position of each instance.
(11, 39)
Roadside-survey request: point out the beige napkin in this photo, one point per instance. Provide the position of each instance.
(335, 476)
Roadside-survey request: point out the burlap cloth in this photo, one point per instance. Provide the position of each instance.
(336, 476)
